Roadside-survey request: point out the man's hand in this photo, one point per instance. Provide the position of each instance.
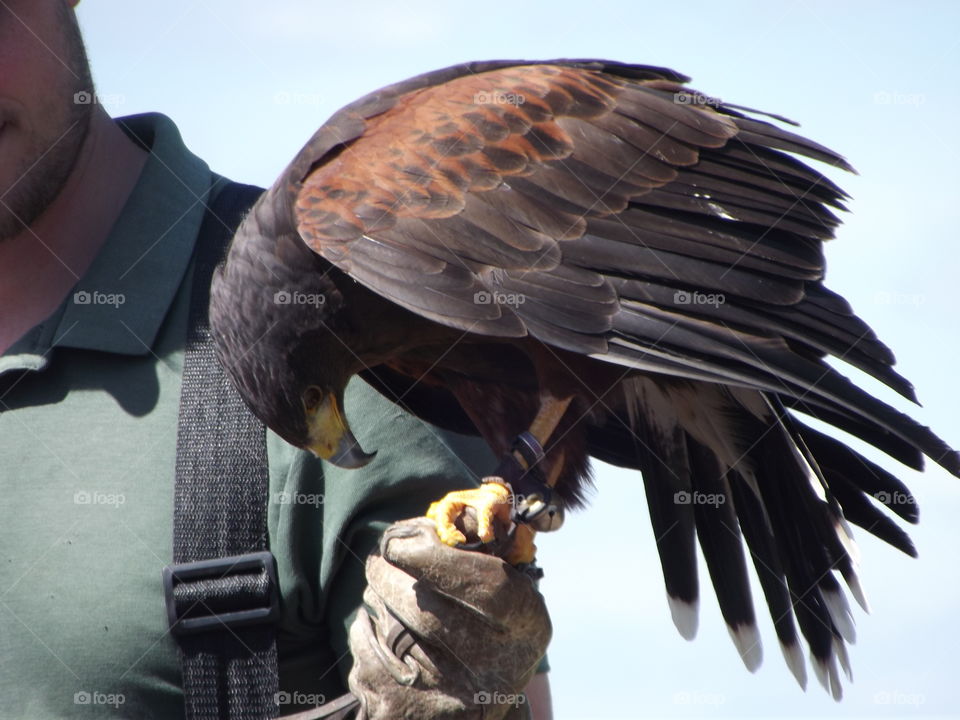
(444, 633)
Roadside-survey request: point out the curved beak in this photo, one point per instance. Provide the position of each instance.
(330, 436)
(349, 454)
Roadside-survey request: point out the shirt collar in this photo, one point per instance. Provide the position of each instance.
(119, 305)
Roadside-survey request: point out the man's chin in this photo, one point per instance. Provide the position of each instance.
(33, 173)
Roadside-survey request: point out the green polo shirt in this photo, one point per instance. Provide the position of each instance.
(88, 423)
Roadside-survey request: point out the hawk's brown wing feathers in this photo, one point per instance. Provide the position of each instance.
(594, 206)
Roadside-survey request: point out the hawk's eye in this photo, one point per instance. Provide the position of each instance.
(312, 397)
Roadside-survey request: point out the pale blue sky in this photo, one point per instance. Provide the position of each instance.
(248, 83)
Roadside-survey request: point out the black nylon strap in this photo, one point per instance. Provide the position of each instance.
(229, 671)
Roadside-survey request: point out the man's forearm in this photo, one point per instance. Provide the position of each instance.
(538, 696)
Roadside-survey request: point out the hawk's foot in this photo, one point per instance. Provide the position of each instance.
(492, 501)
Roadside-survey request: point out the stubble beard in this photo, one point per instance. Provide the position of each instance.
(44, 169)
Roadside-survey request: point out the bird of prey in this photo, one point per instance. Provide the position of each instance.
(580, 258)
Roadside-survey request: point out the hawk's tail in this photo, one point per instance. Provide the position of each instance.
(722, 465)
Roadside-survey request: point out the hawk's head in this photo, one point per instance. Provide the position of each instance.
(279, 332)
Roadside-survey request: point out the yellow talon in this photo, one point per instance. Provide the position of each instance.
(490, 500)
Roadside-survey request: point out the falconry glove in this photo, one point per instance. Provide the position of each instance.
(444, 633)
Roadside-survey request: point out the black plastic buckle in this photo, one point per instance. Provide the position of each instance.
(199, 617)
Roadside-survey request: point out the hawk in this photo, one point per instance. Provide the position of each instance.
(581, 258)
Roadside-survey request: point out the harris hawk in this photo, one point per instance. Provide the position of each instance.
(581, 258)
